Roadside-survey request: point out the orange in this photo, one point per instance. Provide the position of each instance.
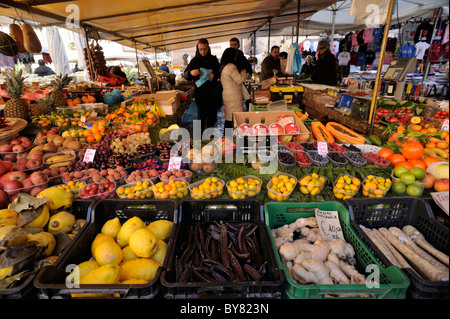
(432, 130)
(430, 145)
(87, 133)
(400, 129)
(424, 131)
(385, 153)
(394, 159)
(90, 139)
(98, 137)
(418, 163)
(416, 127)
(416, 120)
(412, 150)
(430, 160)
(406, 164)
(442, 145)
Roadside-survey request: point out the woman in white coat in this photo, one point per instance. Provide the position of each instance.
(231, 80)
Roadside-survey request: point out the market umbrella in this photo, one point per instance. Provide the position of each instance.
(57, 50)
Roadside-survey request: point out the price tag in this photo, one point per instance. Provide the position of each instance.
(322, 148)
(83, 119)
(89, 155)
(174, 163)
(445, 126)
(329, 224)
(441, 199)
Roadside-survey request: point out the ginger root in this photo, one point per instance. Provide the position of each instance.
(312, 271)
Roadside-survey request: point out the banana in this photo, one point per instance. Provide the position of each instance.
(60, 164)
(440, 152)
(441, 159)
(58, 158)
(429, 152)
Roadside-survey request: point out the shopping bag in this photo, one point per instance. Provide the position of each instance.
(190, 114)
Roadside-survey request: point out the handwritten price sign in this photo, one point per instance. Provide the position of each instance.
(322, 148)
(329, 224)
(89, 155)
(445, 126)
(174, 163)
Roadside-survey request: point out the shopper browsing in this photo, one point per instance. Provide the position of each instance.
(242, 62)
(231, 80)
(326, 70)
(42, 69)
(308, 67)
(206, 87)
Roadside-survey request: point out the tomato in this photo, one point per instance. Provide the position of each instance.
(412, 150)
(418, 163)
(385, 153)
(394, 159)
(406, 164)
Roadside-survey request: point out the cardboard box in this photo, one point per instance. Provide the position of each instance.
(269, 117)
(168, 100)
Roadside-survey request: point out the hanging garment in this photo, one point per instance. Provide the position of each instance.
(343, 58)
(421, 47)
(306, 45)
(377, 34)
(408, 32)
(297, 61)
(440, 30)
(361, 59)
(355, 39)
(436, 51)
(424, 32)
(388, 57)
(353, 58)
(408, 50)
(47, 58)
(57, 50)
(368, 35)
(370, 57)
(446, 35)
(290, 58)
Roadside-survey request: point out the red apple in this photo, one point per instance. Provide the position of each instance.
(285, 119)
(22, 139)
(260, 129)
(441, 185)
(19, 167)
(38, 178)
(10, 157)
(36, 156)
(27, 143)
(37, 189)
(22, 161)
(3, 199)
(13, 187)
(8, 165)
(14, 142)
(27, 185)
(20, 176)
(34, 163)
(18, 148)
(291, 128)
(6, 148)
(276, 129)
(245, 129)
(22, 155)
(3, 168)
(430, 181)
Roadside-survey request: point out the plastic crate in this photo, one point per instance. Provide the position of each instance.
(25, 289)
(232, 212)
(398, 212)
(393, 282)
(51, 281)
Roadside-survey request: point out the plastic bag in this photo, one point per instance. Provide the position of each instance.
(190, 114)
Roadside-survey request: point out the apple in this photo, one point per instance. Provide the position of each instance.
(291, 128)
(10, 157)
(285, 119)
(245, 129)
(13, 187)
(27, 185)
(37, 189)
(36, 156)
(441, 185)
(18, 148)
(38, 178)
(22, 155)
(26, 143)
(8, 165)
(34, 164)
(20, 176)
(22, 161)
(3, 168)
(23, 139)
(3, 199)
(19, 167)
(15, 142)
(260, 129)
(276, 129)
(6, 148)
(430, 181)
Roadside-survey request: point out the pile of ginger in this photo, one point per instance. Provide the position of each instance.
(310, 259)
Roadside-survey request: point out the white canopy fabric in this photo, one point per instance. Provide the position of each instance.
(57, 50)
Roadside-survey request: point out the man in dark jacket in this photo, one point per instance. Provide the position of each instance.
(42, 69)
(270, 63)
(207, 88)
(242, 62)
(326, 69)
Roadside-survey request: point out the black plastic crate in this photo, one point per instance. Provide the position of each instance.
(233, 212)
(25, 289)
(51, 282)
(438, 213)
(398, 212)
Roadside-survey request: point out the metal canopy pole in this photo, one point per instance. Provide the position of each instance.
(268, 40)
(387, 26)
(137, 59)
(333, 25)
(298, 19)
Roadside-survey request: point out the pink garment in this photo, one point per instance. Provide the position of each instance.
(368, 35)
(388, 57)
(355, 39)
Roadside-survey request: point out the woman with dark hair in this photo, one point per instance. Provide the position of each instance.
(326, 68)
(204, 71)
(231, 80)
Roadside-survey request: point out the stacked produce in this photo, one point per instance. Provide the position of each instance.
(95, 61)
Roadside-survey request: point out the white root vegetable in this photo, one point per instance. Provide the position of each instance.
(420, 240)
(409, 242)
(336, 273)
(428, 270)
(380, 245)
(341, 248)
(399, 257)
(290, 250)
(314, 235)
(319, 251)
(303, 222)
(312, 271)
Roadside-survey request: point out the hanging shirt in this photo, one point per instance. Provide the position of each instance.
(306, 45)
(391, 44)
(408, 50)
(424, 32)
(436, 51)
(421, 47)
(408, 32)
(343, 45)
(355, 39)
(377, 34)
(353, 58)
(361, 59)
(336, 45)
(376, 61)
(314, 45)
(440, 30)
(368, 35)
(343, 58)
(370, 57)
(355, 48)
(388, 57)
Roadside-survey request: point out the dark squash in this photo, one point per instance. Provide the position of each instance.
(30, 40)
(321, 133)
(16, 32)
(8, 46)
(344, 134)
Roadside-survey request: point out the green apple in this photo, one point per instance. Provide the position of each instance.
(399, 170)
(408, 178)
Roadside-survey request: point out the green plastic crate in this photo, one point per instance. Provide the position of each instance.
(263, 107)
(393, 282)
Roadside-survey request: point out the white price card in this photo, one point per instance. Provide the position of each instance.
(445, 126)
(89, 155)
(441, 199)
(174, 163)
(329, 224)
(322, 148)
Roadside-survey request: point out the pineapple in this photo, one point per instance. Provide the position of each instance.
(43, 106)
(59, 83)
(15, 107)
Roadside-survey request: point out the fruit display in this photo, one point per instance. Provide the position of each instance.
(244, 187)
(286, 159)
(176, 174)
(73, 187)
(346, 187)
(312, 184)
(207, 188)
(15, 148)
(98, 190)
(151, 174)
(409, 182)
(116, 175)
(173, 189)
(302, 159)
(137, 190)
(376, 186)
(337, 159)
(281, 186)
(376, 159)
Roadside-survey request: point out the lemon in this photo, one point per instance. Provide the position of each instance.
(142, 268)
(111, 227)
(108, 253)
(127, 229)
(161, 228)
(143, 243)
